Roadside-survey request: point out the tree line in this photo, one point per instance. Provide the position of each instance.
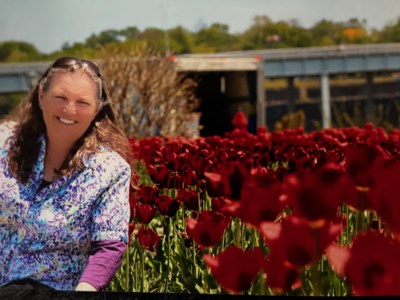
(263, 33)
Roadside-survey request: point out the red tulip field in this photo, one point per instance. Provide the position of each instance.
(280, 213)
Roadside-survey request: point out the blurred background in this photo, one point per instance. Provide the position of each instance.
(285, 63)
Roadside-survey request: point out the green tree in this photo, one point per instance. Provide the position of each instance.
(290, 34)
(255, 36)
(180, 40)
(103, 38)
(326, 33)
(264, 33)
(8, 102)
(390, 33)
(217, 36)
(130, 33)
(16, 51)
(155, 38)
(76, 50)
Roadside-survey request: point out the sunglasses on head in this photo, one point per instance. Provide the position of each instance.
(65, 62)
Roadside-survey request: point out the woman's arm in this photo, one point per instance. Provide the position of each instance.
(104, 259)
(110, 220)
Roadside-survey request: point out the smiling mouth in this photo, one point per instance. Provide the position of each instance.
(66, 121)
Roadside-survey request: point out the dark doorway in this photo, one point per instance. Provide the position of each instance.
(221, 95)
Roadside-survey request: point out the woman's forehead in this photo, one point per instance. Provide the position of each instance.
(76, 82)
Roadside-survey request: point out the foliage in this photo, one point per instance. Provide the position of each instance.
(391, 32)
(154, 37)
(180, 40)
(9, 102)
(287, 34)
(217, 37)
(15, 51)
(262, 33)
(112, 36)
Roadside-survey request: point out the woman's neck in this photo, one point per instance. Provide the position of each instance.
(56, 153)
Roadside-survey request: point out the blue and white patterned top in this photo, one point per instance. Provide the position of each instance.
(45, 235)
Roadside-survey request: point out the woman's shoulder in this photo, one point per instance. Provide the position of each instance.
(106, 159)
(107, 166)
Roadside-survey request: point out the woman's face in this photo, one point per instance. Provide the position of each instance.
(69, 105)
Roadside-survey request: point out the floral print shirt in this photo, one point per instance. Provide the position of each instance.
(46, 234)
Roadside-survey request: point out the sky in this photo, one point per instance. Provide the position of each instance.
(48, 24)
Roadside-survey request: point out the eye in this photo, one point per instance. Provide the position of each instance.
(83, 103)
(61, 98)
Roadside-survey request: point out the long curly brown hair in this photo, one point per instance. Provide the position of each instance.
(29, 126)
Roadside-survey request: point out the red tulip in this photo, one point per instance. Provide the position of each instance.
(297, 242)
(371, 265)
(146, 194)
(145, 213)
(281, 275)
(147, 238)
(384, 194)
(175, 157)
(158, 173)
(229, 181)
(208, 230)
(239, 120)
(166, 205)
(360, 159)
(235, 269)
(317, 196)
(189, 177)
(260, 199)
(189, 198)
(174, 181)
(226, 207)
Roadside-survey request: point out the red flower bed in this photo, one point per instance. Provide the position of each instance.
(274, 212)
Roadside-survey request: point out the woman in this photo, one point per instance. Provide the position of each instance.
(64, 182)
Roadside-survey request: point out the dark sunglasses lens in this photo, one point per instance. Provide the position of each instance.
(64, 62)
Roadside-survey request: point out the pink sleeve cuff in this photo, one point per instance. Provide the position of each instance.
(104, 259)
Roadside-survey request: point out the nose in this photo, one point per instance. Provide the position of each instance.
(69, 108)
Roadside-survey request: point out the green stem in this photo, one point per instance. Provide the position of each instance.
(315, 278)
(169, 254)
(142, 269)
(348, 225)
(206, 204)
(237, 232)
(359, 221)
(196, 274)
(322, 265)
(199, 204)
(136, 258)
(127, 275)
(242, 235)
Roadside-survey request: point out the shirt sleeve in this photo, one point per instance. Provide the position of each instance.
(104, 260)
(110, 213)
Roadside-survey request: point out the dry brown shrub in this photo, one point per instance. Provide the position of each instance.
(150, 95)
